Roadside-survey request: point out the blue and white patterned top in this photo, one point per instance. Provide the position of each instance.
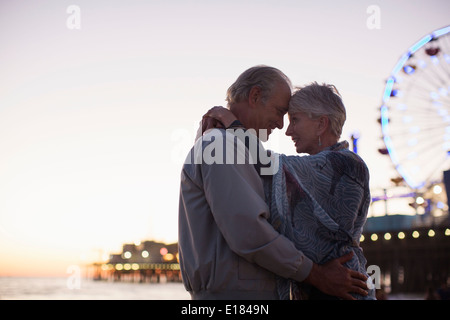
(320, 202)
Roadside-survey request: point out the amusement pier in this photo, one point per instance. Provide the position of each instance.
(144, 262)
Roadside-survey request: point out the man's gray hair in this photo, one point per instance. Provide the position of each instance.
(262, 76)
(320, 100)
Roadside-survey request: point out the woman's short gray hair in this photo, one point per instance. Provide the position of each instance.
(262, 76)
(320, 100)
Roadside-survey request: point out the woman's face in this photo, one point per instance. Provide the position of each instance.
(304, 132)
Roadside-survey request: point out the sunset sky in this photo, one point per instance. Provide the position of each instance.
(96, 121)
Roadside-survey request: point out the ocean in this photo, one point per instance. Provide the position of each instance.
(15, 288)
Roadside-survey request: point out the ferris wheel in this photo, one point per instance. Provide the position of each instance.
(415, 111)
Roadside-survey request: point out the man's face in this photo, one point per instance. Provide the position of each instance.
(269, 115)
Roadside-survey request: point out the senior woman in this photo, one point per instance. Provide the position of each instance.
(319, 201)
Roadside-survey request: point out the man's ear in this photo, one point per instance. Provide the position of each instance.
(254, 96)
(324, 123)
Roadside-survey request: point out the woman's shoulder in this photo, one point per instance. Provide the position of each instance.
(336, 158)
(347, 162)
(347, 155)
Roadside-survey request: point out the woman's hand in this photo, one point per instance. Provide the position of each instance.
(221, 114)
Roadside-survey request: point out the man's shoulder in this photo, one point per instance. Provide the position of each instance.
(235, 135)
(220, 146)
(232, 147)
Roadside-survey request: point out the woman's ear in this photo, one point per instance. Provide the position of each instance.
(254, 96)
(324, 123)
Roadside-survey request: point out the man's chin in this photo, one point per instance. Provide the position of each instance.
(264, 134)
(265, 139)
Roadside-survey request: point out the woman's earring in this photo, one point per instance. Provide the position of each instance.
(320, 142)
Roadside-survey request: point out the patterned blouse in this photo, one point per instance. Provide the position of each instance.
(320, 202)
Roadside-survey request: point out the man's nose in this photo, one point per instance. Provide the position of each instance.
(280, 123)
(289, 130)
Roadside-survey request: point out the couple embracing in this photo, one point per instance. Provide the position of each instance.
(290, 234)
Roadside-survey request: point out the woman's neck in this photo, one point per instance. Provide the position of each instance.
(326, 142)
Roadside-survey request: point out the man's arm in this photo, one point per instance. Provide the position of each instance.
(236, 197)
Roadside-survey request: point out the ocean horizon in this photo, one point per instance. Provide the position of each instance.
(62, 288)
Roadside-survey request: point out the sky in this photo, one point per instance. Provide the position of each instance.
(100, 102)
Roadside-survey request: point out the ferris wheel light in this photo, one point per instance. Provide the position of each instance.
(407, 177)
(387, 91)
(422, 64)
(441, 32)
(447, 58)
(409, 69)
(420, 44)
(400, 63)
(435, 60)
(387, 142)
